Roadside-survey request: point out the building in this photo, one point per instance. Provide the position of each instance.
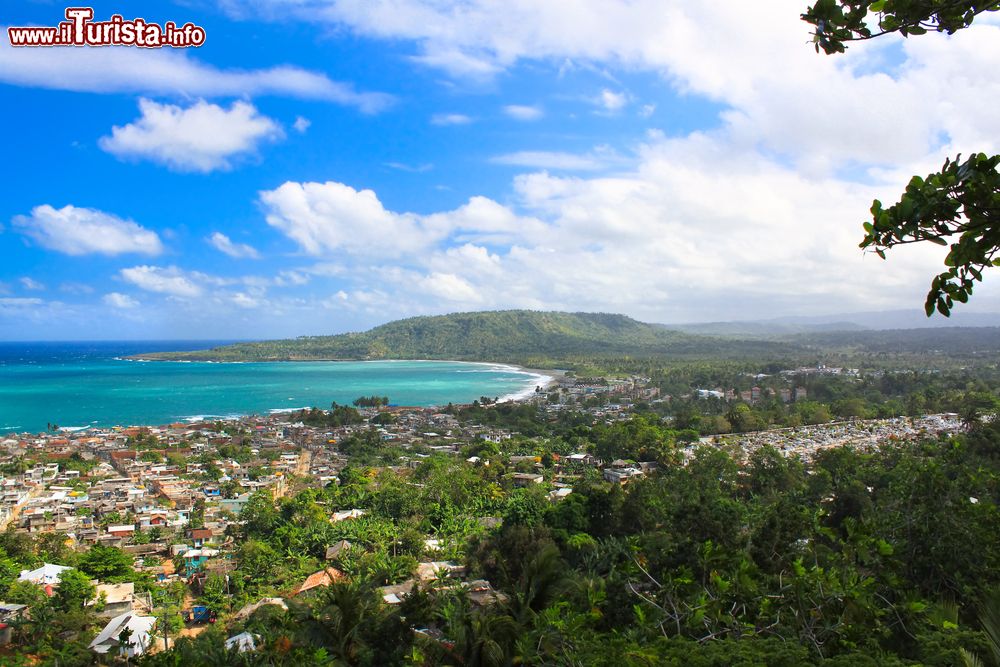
(47, 575)
(525, 479)
(138, 630)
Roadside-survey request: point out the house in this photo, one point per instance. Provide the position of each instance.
(439, 569)
(194, 559)
(481, 593)
(395, 594)
(235, 505)
(127, 634)
(249, 609)
(559, 494)
(118, 599)
(621, 475)
(580, 459)
(347, 514)
(524, 479)
(242, 642)
(335, 549)
(122, 531)
(199, 536)
(320, 579)
(9, 613)
(46, 575)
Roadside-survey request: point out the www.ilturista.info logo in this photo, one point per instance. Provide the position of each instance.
(79, 29)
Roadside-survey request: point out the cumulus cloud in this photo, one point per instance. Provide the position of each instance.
(450, 119)
(162, 280)
(690, 230)
(119, 300)
(301, 124)
(81, 231)
(611, 101)
(823, 111)
(332, 216)
(29, 283)
(170, 72)
(224, 244)
(756, 213)
(522, 112)
(203, 137)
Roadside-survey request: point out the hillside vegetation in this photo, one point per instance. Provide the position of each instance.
(512, 335)
(603, 342)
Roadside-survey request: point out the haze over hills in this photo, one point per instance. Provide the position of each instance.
(548, 338)
(858, 321)
(510, 335)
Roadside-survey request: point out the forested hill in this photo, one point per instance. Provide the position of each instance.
(519, 336)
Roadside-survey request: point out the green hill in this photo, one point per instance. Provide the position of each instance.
(519, 336)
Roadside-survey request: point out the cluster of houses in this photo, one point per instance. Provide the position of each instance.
(863, 434)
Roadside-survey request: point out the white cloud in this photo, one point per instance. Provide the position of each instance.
(203, 137)
(450, 119)
(413, 169)
(168, 72)
(775, 90)
(30, 283)
(691, 230)
(550, 160)
(82, 231)
(611, 101)
(162, 280)
(332, 216)
(450, 287)
(119, 300)
(224, 244)
(522, 112)
(301, 124)
(75, 288)
(20, 302)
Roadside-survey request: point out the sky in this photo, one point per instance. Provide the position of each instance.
(321, 166)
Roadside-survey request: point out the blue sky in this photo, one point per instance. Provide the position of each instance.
(325, 165)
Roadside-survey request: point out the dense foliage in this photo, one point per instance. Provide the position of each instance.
(512, 335)
(855, 559)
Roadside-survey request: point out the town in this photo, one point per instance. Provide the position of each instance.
(167, 503)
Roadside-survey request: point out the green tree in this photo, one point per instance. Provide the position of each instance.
(73, 590)
(108, 564)
(958, 205)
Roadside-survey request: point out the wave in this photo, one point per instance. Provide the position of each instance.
(194, 419)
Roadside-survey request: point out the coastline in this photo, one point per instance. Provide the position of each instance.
(534, 378)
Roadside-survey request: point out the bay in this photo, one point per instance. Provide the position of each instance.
(75, 385)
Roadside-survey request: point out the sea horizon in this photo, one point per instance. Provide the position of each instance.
(77, 385)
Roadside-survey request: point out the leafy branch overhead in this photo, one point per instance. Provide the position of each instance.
(963, 199)
(840, 21)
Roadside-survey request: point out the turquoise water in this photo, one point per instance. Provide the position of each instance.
(75, 385)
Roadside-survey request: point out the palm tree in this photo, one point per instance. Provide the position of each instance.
(336, 619)
(542, 581)
(989, 619)
(477, 638)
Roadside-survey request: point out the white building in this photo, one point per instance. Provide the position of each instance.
(139, 638)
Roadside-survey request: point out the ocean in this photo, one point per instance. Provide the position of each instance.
(77, 385)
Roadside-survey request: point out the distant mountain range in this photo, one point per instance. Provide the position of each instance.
(554, 339)
(871, 320)
(517, 336)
